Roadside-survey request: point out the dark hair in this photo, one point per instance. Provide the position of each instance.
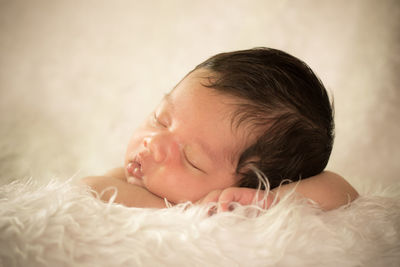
(288, 106)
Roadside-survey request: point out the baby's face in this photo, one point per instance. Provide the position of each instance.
(187, 147)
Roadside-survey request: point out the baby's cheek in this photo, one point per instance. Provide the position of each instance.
(174, 149)
(174, 186)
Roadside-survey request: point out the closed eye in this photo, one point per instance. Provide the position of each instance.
(192, 164)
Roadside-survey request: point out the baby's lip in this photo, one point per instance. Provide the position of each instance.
(135, 168)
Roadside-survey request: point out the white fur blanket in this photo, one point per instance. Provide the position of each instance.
(61, 224)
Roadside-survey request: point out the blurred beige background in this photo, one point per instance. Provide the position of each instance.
(76, 77)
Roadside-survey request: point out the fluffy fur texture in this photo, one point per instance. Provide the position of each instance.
(61, 224)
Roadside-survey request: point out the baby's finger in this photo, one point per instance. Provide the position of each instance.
(211, 197)
(245, 196)
(230, 195)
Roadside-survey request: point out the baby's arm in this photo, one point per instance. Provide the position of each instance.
(327, 189)
(128, 194)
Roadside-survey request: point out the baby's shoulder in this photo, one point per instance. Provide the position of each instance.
(118, 173)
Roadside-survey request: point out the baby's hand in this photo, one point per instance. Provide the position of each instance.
(242, 195)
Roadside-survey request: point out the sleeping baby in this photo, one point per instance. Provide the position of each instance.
(238, 122)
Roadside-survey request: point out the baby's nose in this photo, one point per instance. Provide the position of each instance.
(156, 144)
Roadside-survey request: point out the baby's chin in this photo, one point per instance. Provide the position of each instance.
(134, 181)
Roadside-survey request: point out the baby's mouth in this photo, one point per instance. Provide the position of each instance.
(134, 169)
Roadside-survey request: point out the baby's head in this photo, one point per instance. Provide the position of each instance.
(287, 106)
(253, 109)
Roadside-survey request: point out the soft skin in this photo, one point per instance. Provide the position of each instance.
(329, 190)
(187, 150)
(187, 147)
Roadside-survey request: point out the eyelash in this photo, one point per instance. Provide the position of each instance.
(157, 121)
(191, 164)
